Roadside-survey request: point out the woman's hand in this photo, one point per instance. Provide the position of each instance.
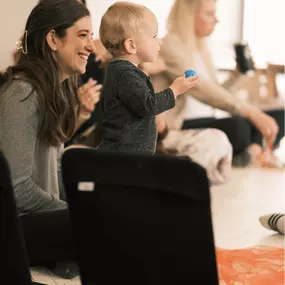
(264, 123)
(89, 95)
(101, 54)
(104, 58)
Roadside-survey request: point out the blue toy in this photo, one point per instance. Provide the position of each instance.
(190, 72)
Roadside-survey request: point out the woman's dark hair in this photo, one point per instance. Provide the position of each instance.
(58, 102)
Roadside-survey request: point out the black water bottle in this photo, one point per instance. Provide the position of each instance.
(243, 58)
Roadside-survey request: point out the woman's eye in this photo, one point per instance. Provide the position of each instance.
(83, 36)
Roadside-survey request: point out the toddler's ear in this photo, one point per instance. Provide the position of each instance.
(130, 46)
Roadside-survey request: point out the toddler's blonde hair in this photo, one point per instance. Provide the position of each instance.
(122, 20)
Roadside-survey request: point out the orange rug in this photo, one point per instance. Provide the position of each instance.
(260, 265)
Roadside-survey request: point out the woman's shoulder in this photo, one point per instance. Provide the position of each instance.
(20, 86)
(19, 90)
(171, 45)
(19, 95)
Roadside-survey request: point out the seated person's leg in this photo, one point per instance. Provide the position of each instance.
(198, 123)
(237, 129)
(48, 237)
(273, 222)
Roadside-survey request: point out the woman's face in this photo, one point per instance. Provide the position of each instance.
(72, 52)
(205, 19)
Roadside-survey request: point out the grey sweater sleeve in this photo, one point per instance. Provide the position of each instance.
(134, 92)
(18, 139)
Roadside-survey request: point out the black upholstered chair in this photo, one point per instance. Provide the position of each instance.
(140, 219)
(14, 268)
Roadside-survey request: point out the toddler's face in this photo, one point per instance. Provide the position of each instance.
(148, 44)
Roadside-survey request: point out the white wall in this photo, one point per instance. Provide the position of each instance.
(160, 8)
(13, 16)
(263, 31)
(228, 30)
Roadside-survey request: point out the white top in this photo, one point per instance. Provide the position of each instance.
(196, 109)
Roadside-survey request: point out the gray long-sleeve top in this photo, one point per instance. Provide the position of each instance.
(33, 162)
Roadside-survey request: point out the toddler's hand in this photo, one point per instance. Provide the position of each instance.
(181, 84)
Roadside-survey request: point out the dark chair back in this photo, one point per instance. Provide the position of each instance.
(140, 219)
(14, 268)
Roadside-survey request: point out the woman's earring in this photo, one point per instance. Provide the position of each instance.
(54, 48)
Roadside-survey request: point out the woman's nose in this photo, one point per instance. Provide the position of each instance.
(91, 46)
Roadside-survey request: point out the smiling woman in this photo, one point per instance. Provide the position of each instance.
(39, 108)
(38, 113)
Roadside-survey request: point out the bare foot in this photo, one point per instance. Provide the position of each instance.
(268, 159)
(255, 151)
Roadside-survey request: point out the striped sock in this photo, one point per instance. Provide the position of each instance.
(273, 222)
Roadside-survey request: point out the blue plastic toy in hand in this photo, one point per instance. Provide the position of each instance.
(190, 72)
